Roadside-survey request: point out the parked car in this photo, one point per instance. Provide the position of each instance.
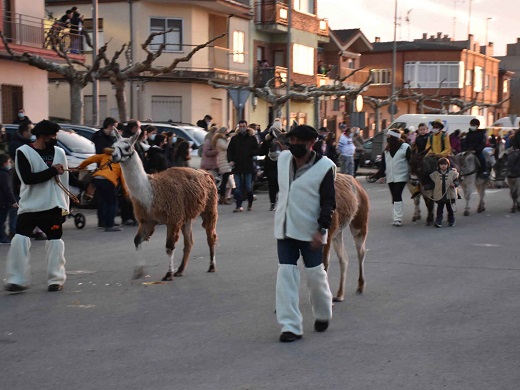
(373, 151)
(84, 131)
(76, 147)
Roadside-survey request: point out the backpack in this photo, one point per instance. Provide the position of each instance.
(443, 136)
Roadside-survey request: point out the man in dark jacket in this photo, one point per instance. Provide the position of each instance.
(475, 141)
(21, 118)
(156, 160)
(103, 138)
(204, 123)
(8, 203)
(241, 150)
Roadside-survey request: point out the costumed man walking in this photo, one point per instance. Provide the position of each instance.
(306, 201)
(41, 167)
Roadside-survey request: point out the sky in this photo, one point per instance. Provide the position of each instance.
(375, 18)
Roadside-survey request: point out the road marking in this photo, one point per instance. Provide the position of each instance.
(80, 272)
(487, 245)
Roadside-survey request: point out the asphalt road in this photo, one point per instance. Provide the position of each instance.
(440, 311)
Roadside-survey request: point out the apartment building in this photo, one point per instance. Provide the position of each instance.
(23, 24)
(436, 65)
(182, 95)
(273, 38)
(510, 68)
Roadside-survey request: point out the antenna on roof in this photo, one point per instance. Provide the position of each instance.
(455, 3)
(407, 19)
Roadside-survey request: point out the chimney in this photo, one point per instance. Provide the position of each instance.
(378, 39)
(439, 35)
(432, 37)
(425, 36)
(446, 37)
(490, 49)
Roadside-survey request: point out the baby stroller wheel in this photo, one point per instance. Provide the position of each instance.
(79, 220)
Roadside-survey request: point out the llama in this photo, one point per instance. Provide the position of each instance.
(173, 197)
(352, 208)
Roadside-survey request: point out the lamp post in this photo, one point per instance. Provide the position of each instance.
(394, 64)
(485, 64)
(95, 47)
(289, 65)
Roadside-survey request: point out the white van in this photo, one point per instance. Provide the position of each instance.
(451, 122)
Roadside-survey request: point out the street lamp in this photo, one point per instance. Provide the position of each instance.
(486, 45)
(394, 65)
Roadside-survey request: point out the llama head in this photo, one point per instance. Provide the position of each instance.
(124, 147)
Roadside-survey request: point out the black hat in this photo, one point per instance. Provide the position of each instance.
(46, 127)
(303, 132)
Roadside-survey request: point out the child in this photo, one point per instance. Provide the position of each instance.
(8, 204)
(445, 180)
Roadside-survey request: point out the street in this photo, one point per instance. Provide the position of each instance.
(440, 310)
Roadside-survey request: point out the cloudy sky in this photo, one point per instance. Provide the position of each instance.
(376, 18)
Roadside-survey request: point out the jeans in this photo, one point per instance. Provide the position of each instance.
(243, 181)
(107, 204)
(347, 165)
(289, 251)
(11, 213)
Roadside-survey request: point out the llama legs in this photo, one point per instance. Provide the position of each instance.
(188, 244)
(143, 234)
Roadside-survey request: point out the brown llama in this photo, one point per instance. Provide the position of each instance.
(173, 197)
(352, 209)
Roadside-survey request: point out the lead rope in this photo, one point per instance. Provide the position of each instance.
(73, 197)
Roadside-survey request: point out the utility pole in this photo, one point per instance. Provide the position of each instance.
(95, 48)
(393, 105)
(289, 64)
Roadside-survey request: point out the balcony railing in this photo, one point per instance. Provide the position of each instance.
(40, 33)
(331, 73)
(271, 12)
(271, 76)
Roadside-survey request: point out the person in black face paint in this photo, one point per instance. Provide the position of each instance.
(41, 204)
(306, 201)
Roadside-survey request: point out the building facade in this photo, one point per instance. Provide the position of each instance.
(439, 68)
(182, 95)
(510, 66)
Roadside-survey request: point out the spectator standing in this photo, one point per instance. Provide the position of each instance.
(42, 203)
(106, 179)
(220, 143)
(270, 161)
(4, 140)
(104, 138)
(156, 160)
(209, 153)
(396, 168)
(303, 216)
(205, 123)
(360, 150)
(182, 153)
(346, 149)
(21, 117)
(241, 150)
(8, 203)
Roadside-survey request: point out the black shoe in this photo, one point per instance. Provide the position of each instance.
(437, 224)
(321, 326)
(273, 207)
(128, 222)
(15, 288)
(100, 225)
(54, 287)
(289, 337)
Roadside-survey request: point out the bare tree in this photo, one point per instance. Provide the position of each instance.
(118, 75)
(298, 92)
(77, 73)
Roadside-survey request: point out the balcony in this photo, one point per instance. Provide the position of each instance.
(37, 33)
(275, 77)
(332, 73)
(214, 63)
(272, 16)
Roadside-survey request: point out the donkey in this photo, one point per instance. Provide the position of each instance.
(469, 165)
(173, 197)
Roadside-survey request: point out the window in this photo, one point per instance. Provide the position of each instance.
(430, 74)
(165, 108)
(306, 6)
(487, 81)
(469, 77)
(303, 60)
(87, 25)
(238, 46)
(505, 86)
(173, 39)
(381, 76)
(478, 79)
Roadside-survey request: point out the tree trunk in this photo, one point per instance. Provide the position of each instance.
(75, 101)
(378, 119)
(121, 100)
(277, 110)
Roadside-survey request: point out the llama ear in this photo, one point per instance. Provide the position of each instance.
(135, 137)
(116, 134)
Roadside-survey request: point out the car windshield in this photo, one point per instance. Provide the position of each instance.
(199, 135)
(76, 143)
